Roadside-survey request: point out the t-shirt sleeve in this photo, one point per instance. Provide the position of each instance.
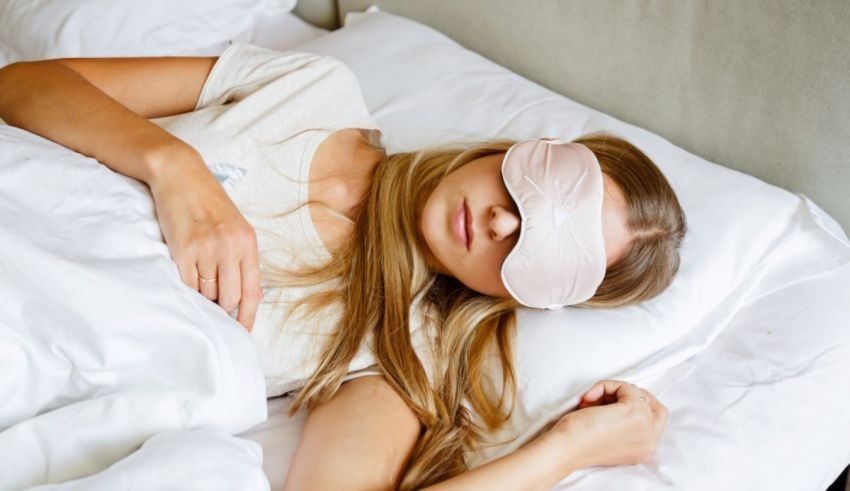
(269, 94)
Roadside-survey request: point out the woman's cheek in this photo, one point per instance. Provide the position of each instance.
(494, 268)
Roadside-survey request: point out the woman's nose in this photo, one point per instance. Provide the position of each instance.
(503, 222)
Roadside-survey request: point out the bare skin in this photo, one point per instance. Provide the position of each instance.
(366, 429)
(340, 174)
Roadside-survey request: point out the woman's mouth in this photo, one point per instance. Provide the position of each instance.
(459, 225)
(470, 230)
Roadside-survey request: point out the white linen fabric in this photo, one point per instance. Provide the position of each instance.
(37, 29)
(189, 460)
(102, 346)
(276, 30)
(748, 348)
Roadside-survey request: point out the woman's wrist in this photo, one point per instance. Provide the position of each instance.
(164, 163)
(564, 450)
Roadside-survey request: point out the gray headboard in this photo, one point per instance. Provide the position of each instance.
(762, 86)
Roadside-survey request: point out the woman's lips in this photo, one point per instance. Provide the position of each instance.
(459, 221)
(470, 230)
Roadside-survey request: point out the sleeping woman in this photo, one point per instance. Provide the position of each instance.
(381, 290)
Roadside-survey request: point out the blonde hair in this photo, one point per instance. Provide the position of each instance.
(381, 269)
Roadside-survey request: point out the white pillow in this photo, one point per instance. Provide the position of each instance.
(280, 31)
(423, 89)
(38, 29)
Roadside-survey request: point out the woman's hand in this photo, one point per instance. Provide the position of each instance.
(616, 423)
(214, 247)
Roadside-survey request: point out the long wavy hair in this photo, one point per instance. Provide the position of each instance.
(380, 270)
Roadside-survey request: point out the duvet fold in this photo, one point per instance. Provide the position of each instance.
(108, 361)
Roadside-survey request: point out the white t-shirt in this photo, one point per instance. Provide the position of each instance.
(259, 119)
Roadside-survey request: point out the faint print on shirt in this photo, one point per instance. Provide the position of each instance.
(228, 174)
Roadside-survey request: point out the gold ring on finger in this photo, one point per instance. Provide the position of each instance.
(206, 280)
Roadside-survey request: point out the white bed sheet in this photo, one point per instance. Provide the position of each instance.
(752, 363)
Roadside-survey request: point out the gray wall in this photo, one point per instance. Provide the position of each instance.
(323, 13)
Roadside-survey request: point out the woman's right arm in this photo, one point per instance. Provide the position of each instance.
(98, 107)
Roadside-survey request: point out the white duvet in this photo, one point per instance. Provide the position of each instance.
(105, 356)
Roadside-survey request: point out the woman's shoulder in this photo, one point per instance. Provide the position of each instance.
(340, 177)
(271, 95)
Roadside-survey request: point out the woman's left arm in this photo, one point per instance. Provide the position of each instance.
(361, 439)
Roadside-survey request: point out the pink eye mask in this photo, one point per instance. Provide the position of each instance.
(559, 258)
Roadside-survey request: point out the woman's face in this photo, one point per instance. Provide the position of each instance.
(470, 223)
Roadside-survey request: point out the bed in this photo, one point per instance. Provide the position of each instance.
(749, 348)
